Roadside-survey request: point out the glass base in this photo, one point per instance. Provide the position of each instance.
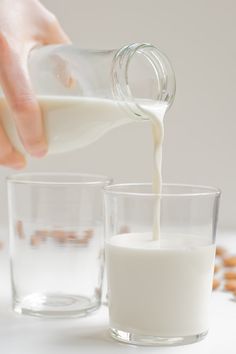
(55, 305)
(137, 339)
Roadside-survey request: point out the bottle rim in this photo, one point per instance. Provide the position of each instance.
(163, 71)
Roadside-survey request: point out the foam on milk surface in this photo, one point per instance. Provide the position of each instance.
(167, 241)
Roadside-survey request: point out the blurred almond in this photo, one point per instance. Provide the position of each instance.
(43, 234)
(59, 235)
(217, 268)
(20, 229)
(230, 275)
(220, 251)
(88, 234)
(124, 229)
(35, 240)
(230, 285)
(230, 261)
(216, 284)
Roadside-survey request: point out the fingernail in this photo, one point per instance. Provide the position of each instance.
(36, 148)
(18, 165)
(39, 153)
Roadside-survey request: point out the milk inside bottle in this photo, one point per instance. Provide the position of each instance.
(70, 122)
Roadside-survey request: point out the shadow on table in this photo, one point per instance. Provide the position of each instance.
(90, 336)
(98, 340)
(85, 335)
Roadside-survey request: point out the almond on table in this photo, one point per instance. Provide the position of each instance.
(220, 251)
(88, 234)
(230, 275)
(124, 229)
(72, 236)
(230, 285)
(216, 284)
(35, 240)
(42, 233)
(230, 261)
(81, 241)
(59, 235)
(217, 267)
(20, 229)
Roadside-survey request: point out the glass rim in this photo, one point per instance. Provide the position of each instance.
(40, 178)
(204, 190)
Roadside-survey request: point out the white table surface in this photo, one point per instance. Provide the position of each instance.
(26, 335)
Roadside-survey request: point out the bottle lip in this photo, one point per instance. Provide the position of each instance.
(162, 69)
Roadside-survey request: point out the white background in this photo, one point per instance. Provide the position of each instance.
(200, 143)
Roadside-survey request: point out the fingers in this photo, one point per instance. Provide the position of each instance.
(55, 34)
(8, 155)
(15, 82)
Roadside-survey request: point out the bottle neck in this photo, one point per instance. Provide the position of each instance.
(140, 74)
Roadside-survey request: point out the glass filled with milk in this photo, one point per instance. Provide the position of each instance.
(85, 93)
(160, 251)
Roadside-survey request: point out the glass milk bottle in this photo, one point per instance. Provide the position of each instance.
(85, 93)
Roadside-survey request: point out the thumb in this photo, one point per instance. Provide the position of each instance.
(55, 34)
(15, 82)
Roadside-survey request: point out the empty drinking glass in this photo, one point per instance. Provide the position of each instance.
(56, 243)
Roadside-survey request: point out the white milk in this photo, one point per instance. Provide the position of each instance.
(159, 288)
(156, 114)
(70, 122)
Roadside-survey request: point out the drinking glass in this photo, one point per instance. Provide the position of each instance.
(56, 243)
(159, 289)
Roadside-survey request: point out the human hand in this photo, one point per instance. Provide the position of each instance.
(24, 24)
